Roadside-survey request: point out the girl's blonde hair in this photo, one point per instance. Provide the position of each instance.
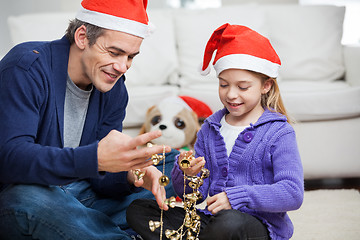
(272, 99)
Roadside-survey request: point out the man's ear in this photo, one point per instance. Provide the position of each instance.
(80, 37)
(267, 85)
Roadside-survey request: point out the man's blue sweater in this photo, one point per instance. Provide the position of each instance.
(32, 94)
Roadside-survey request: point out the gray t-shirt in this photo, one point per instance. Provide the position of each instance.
(75, 109)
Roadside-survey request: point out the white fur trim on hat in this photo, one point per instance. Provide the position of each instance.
(206, 71)
(113, 23)
(248, 62)
(176, 100)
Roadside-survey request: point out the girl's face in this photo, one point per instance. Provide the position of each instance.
(240, 92)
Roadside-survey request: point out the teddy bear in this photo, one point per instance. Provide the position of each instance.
(178, 118)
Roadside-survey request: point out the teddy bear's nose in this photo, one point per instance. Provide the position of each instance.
(162, 127)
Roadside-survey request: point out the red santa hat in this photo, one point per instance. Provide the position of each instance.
(127, 16)
(201, 109)
(240, 47)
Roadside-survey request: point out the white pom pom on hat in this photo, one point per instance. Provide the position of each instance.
(240, 47)
(127, 16)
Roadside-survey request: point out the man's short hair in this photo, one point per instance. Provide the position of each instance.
(92, 31)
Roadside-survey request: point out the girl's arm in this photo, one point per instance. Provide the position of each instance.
(177, 175)
(285, 191)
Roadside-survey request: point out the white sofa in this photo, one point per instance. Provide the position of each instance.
(319, 78)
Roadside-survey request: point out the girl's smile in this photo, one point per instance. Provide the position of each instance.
(240, 92)
(234, 105)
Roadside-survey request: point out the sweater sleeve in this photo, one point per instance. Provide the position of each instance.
(286, 191)
(23, 158)
(177, 178)
(177, 174)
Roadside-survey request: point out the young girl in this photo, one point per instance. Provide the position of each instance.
(249, 147)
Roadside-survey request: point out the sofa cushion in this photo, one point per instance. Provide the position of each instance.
(142, 98)
(38, 26)
(194, 28)
(308, 41)
(314, 101)
(157, 62)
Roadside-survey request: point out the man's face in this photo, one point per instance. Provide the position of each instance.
(109, 58)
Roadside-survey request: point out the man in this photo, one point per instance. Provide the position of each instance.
(65, 166)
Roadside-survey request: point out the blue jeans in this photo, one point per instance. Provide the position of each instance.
(73, 211)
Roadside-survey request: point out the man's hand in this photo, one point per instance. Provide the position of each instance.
(119, 152)
(150, 181)
(218, 202)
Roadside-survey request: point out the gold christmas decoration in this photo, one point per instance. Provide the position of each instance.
(154, 225)
(155, 158)
(164, 180)
(191, 224)
(170, 202)
(185, 162)
(138, 174)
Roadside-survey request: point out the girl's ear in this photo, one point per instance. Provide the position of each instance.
(80, 37)
(267, 86)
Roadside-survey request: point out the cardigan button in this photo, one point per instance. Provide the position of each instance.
(224, 172)
(248, 136)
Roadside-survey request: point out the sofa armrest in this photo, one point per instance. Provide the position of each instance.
(351, 60)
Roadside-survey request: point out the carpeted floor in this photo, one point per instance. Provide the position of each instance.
(328, 215)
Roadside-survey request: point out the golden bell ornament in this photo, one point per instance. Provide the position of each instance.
(139, 174)
(193, 185)
(175, 237)
(156, 159)
(198, 195)
(205, 173)
(169, 233)
(164, 180)
(185, 163)
(197, 217)
(154, 225)
(195, 228)
(190, 236)
(170, 202)
(191, 196)
(201, 182)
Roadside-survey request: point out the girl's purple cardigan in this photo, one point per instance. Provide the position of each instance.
(263, 175)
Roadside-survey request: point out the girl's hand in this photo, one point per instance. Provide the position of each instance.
(195, 163)
(218, 202)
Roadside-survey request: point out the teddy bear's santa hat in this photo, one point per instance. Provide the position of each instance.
(201, 109)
